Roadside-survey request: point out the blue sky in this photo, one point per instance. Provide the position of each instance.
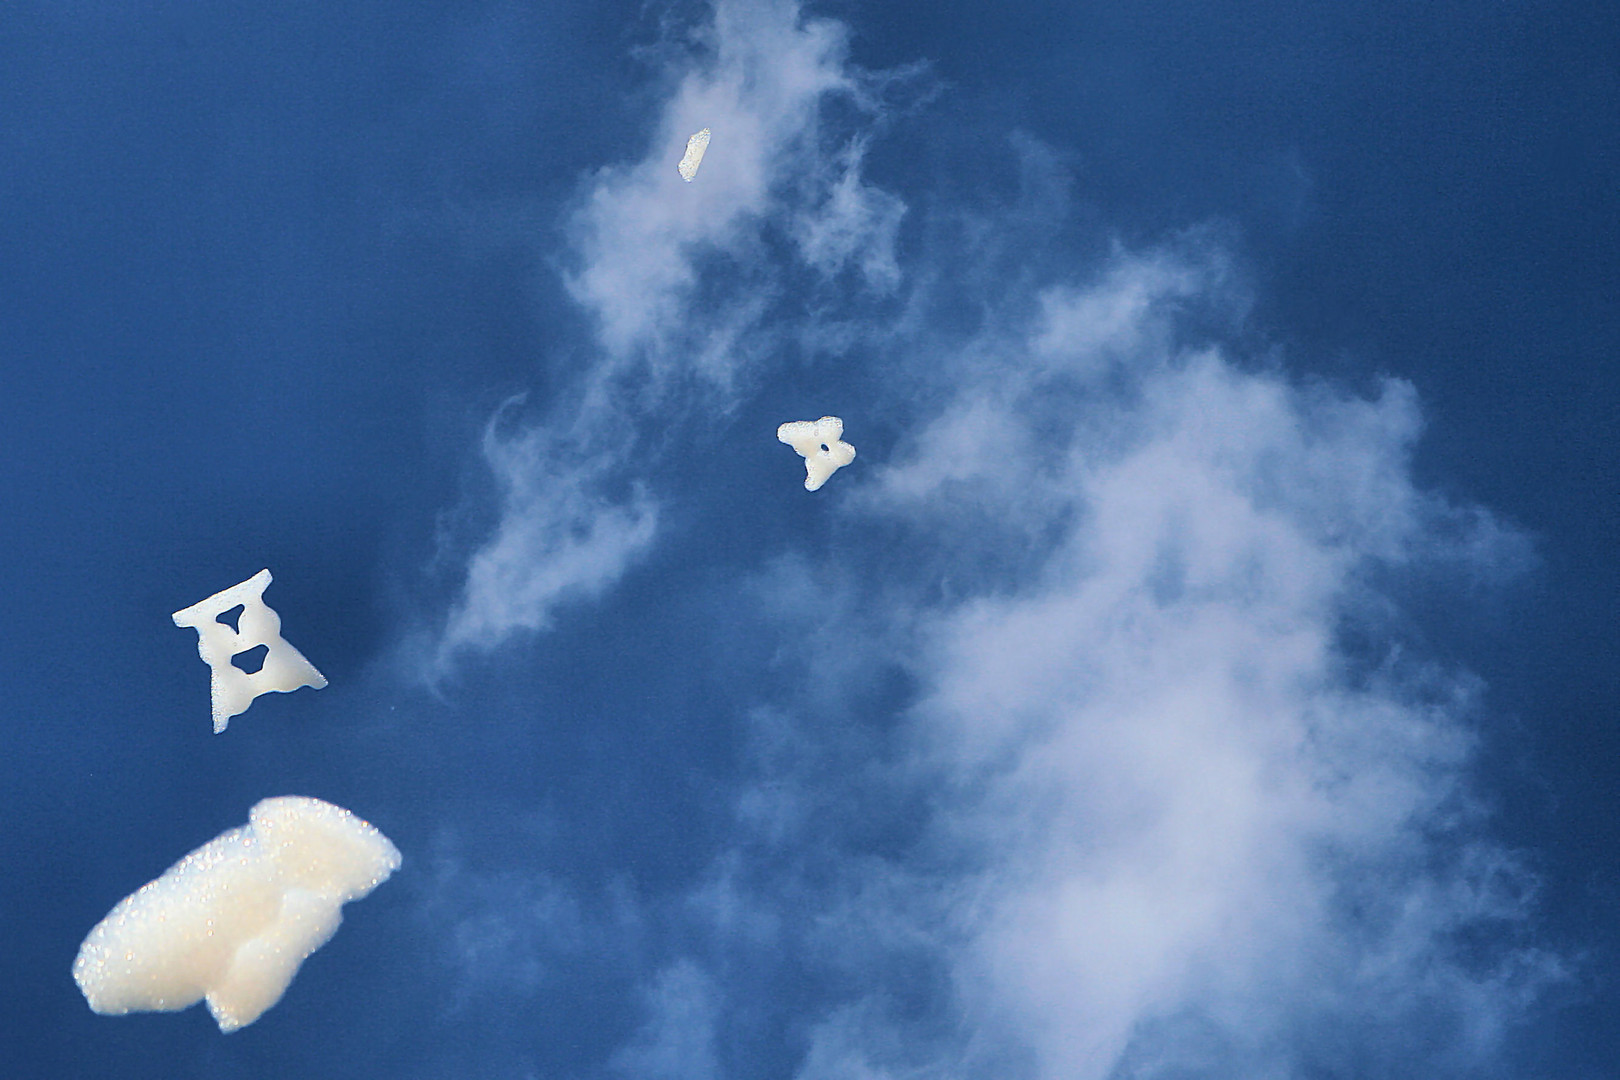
(1204, 670)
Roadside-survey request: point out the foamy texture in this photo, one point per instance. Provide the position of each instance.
(232, 921)
(232, 689)
(695, 146)
(817, 442)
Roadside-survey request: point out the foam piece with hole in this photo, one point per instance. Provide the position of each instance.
(232, 689)
(818, 443)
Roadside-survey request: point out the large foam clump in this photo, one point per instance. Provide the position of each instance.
(283, 669)
(818, 443)
(232, 921)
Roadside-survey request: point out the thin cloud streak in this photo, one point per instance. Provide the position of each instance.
(559, 537)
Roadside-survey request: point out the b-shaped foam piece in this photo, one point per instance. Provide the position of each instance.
(818, 443)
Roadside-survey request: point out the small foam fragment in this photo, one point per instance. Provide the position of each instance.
(232, 921)
(233, 690)
(695, 146)
(818, 443)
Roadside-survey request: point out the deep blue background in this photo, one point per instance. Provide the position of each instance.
(259, 291)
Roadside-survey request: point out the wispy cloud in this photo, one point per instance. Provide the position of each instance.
(507, 932)
(759, 76)
(855, 224)
(560, 534)
(579, 500)
(676, 1042)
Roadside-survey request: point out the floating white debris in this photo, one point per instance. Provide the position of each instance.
(817, 442)
(284, 668)
(694, 155)
(232, 921)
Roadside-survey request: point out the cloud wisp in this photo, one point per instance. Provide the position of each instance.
(578, 486)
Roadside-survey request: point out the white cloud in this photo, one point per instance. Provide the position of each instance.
(1170, 796)
(1183, 819)
(854, 225)
(760, 76)
(1083, 329)
(677, 1040)
(843, 1046)
(559, 536)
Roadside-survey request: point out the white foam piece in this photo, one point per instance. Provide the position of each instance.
(232, 921)
(818, 443)
(695, 146)
(233, 689)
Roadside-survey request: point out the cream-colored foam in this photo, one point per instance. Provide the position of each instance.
(695, 146)
(818, 443)
(232, 921)
(233, 689)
